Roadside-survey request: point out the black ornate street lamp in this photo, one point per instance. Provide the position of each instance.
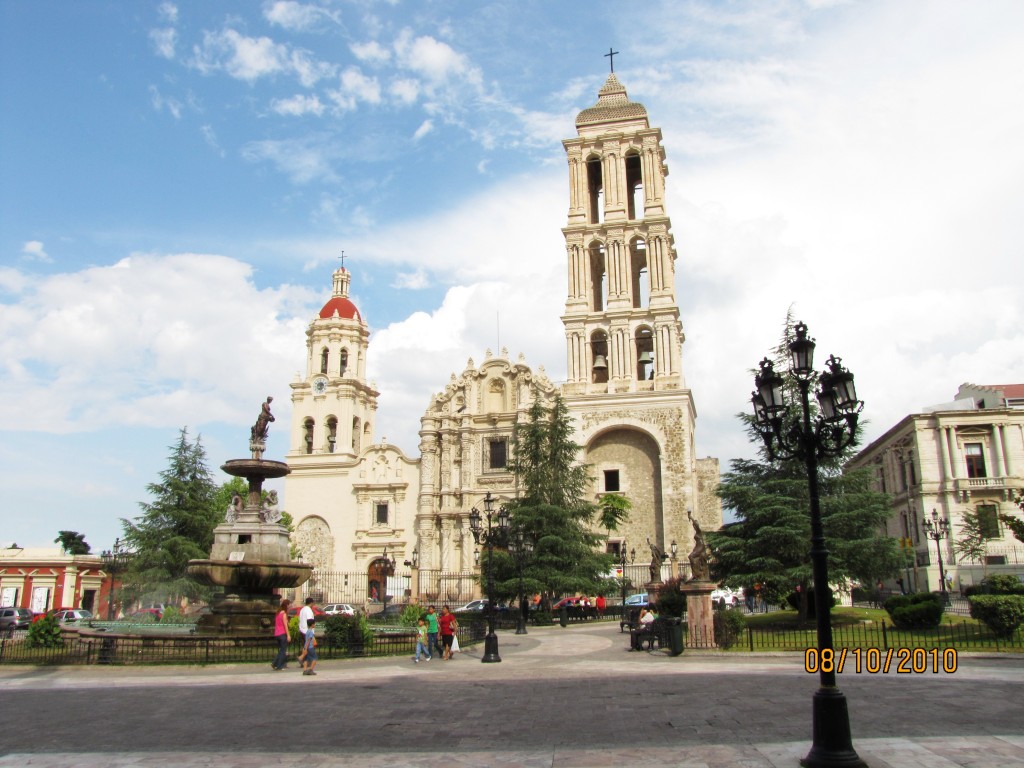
(387, 570)
(520, 545)
(114, 562)
(495, 533)
(789, 435)
(625, 559)
(938, 529)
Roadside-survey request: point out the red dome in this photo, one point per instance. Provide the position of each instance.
(343, 307)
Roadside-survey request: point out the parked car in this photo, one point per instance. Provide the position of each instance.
(334, 609)
(638, 600)
(572, 602)
(18, 618)
(318, 612)
(725, 597)
(72, 615)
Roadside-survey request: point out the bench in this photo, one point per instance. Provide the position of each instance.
(655, 632)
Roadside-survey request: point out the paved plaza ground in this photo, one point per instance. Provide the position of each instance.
(561, 698)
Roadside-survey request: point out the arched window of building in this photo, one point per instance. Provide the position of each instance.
(644, 353)
(634, 186)
(307, 435)
(355, 434)
(367, 431)
(343, 366)
(324, 359)
(595, 191)
(332, 433)
(640, 285)
(599, 357)
(598, 276)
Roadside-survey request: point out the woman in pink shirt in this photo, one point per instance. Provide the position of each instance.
(282, 635)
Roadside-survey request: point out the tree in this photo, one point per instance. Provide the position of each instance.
(72, 543)
(972, 543)
(553, 509)
(1016, 525)
(613, 511)
(769, 543)
(177, 526)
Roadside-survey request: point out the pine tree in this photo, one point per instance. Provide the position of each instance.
(177, 526)
(554, 509)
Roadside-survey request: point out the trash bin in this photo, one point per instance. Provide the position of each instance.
(563, 616)
(675, 636)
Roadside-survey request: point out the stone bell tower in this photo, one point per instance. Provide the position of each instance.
(625, 382)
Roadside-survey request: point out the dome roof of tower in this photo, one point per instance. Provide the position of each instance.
(342, 306)
(612, 104)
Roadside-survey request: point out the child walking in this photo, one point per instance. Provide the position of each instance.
(421, 641)
(308, 657)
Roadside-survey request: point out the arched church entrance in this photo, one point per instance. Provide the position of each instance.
(628, 461)
(377, 580)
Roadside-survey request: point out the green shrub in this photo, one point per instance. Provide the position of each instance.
(412, 614)
(1003, 584)
(670, 601)
(794, 602)
(172, 615)
(921, 610)
(351, 633)
(44, 633)
(729, 626)
(293, 629)
(1000, 613)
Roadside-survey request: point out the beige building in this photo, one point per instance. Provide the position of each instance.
(966, 455)
(625, 389)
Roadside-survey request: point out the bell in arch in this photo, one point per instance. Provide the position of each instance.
(646, 356)
(600, 363)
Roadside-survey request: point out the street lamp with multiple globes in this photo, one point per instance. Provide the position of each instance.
(387, 570)
(938, 529)
(520, 546)
(114, 562)
(496, 533)
(625, 559)
(794, 435)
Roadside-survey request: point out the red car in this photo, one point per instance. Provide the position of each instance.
(318, 613)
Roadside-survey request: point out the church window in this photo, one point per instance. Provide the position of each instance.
(595, 191)
(344, 362)
(382, 513)
(307, 435)
(599, 277)
(325, 357)
(975, 460)
(988, 521)
(355, 434)
(640, 284)
(366, 433)
(599, 357)
(611, 481)
(497, 453)
(644, 354)
(332, 434)
(496, 396)
(634, 187)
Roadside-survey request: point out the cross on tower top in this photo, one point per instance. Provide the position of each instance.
(342, 257)
(611, 58)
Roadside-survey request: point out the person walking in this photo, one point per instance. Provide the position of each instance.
(449, 626)
(421, 640)
(282, 635)
(432, 632)
(306, 615)
(309, 650)
(601, 605)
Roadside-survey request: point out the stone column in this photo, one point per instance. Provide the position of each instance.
(700, 619)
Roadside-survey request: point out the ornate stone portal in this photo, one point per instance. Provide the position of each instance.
(250, 556)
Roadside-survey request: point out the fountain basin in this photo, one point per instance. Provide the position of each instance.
(249, 577)
(255, 469)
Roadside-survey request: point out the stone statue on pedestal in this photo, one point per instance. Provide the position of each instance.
(699, 567)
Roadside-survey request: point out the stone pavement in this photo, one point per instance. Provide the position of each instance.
(561, 698)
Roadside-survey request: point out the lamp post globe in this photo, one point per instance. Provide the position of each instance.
(938, 529)
(793, 434)
(495, 532)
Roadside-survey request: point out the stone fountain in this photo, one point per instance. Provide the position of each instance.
(251, 551)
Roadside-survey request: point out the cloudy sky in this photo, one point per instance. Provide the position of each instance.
(178, 179)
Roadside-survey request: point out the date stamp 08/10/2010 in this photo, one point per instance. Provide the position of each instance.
(904, 661)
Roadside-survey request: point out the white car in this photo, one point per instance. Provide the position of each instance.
(344, 609)
(71, 616)
(725, 596)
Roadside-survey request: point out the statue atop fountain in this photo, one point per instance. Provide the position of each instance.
(251, 555)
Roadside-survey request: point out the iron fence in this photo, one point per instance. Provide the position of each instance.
(884, 636)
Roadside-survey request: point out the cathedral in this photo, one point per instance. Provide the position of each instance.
(358, 504)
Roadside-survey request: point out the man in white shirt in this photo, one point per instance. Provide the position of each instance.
(305, 615)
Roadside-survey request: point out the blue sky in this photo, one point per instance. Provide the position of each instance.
(177, 180)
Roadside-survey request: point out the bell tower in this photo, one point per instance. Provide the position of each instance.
(332, 405)
(621, 321)
(625, 386)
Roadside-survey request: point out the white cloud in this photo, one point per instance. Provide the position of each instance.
(12, 281)
(406, 91)
(150, 340)
(168, 12)
(164, 41)
(413, 281)
(245, 58)
(355, 87)
(298, 105)
(425, 127)
(34, 251)
(210, 137)
(371, 52)
(296, 16)
(161, 102)
(436, 61)
(302, 160)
